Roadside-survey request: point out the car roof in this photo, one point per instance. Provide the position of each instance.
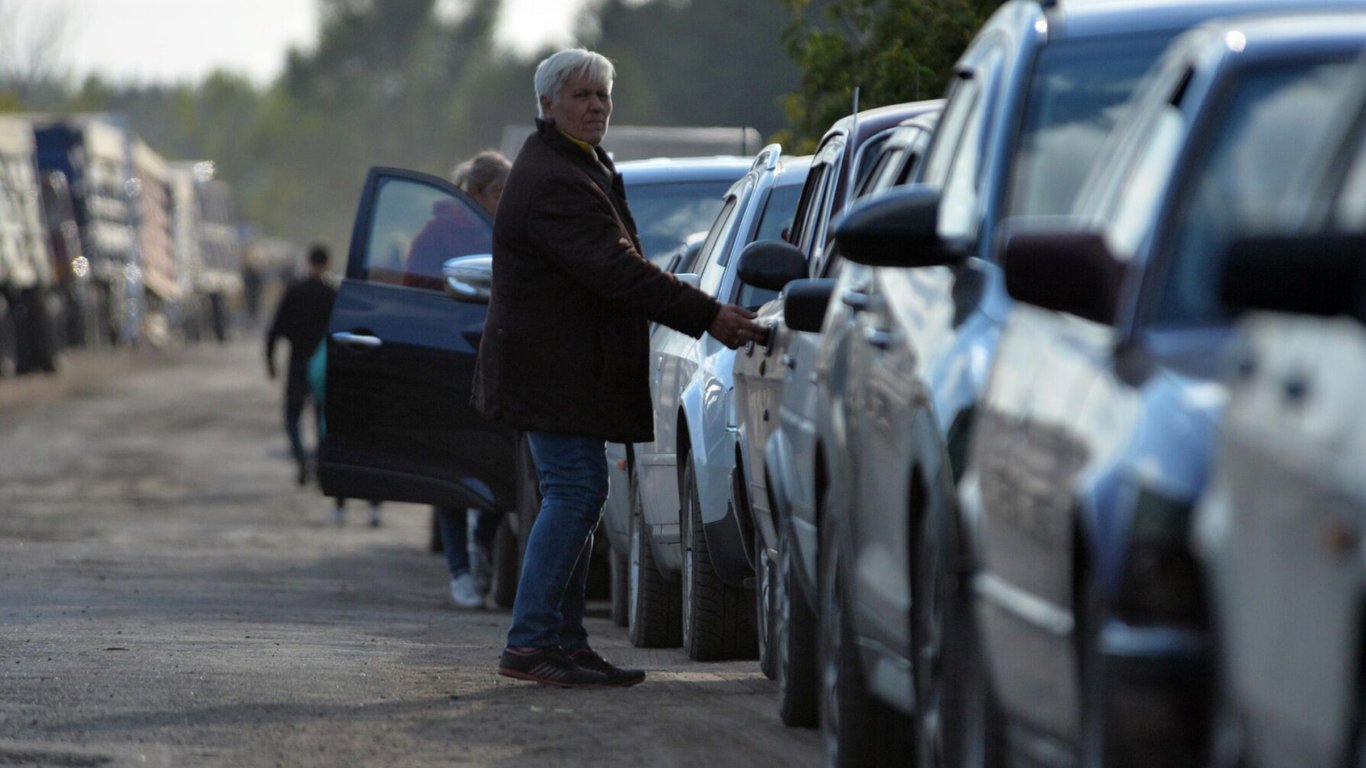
(1087, 18)
(877, 119)
(661, 170)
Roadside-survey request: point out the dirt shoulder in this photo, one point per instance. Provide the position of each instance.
(168, 597)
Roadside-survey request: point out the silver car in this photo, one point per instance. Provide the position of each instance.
(1280, 529)
(681, 521)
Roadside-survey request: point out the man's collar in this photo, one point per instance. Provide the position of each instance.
(548, 128)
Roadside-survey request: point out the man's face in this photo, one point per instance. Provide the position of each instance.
(582, 109)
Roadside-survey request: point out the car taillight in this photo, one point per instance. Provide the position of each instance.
(1161, 581)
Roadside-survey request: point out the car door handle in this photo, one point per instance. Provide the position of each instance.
(357, 340)
(878, 337)
(855, 299)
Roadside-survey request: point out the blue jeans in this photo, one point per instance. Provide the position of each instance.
(549, 607)
(455, 540)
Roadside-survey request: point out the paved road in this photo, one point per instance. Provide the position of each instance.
(168, 597)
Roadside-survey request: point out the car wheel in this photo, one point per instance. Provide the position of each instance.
(655, 615)
(795, 636)
(929, 585)
(718, 620)
(9, 342)
(857, 730)
(764, 601)
(506, 564)
(620, 587)
(434, 543)
(974, 732)
(1094, 747)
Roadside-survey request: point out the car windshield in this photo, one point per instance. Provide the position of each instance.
(666, 213)
(1079, 91)
(1247, 177)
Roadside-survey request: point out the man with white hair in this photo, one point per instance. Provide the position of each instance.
(565, 353)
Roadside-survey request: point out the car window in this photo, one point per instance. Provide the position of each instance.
(779, 210)
(1078, 91)
(816, 193)
(1350, 212)
(1141, 193)
(415, 228)
(961, 104)
(666, 214)
(961, 173)
(1245, 178)
(718, 240)
(870, 156)
(886, 166)
(774, 220)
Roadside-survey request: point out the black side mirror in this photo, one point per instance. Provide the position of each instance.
(1305, 274)
(896, 229)
(771, 264)
(1065, 270)
(807, 299)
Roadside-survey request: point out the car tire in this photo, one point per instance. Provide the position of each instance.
(506, 564)
(9, 342)
(620, 586)
(528, 491)
(974, 731)
(718, 619)
(510, 539)
(765, 587)
(1095, 748)
(655, 614)
(930, 583)
(434, 543)
(796, 642)
(857, 730)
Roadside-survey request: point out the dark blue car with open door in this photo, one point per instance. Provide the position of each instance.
(400, 353)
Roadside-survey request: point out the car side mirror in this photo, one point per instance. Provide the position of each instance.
(1304, 274)
(771, 264)
(469, 278)
(689, 278)
(805, 303)
(1065, 270)
(897, 229)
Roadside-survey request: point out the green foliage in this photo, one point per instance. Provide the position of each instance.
(697, 62)
(891, 50)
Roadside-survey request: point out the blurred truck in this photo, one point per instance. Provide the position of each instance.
(208, 249)
(95, 155)
(29, 306)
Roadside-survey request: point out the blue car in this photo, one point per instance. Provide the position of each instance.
(1095, 432)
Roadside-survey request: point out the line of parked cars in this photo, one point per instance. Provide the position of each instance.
(1050, 454)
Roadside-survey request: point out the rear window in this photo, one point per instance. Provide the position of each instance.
(1079, 92)
(666, 213)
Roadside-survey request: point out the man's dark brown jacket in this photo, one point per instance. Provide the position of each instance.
(566, 342)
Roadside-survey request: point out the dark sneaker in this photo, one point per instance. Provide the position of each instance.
(548, 666)
(587, 658)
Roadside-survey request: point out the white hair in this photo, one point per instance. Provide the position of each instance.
(559, 67)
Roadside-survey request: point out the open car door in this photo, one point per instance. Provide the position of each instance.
(401, 346)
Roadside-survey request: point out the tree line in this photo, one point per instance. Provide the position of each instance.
(402, 83)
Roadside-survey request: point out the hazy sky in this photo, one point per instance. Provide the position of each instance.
(178, 40)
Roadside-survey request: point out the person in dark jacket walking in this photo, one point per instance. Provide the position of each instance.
(565, 353)
(301, 318)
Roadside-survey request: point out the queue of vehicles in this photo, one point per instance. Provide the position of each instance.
(1011, 481)
(104, 242)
